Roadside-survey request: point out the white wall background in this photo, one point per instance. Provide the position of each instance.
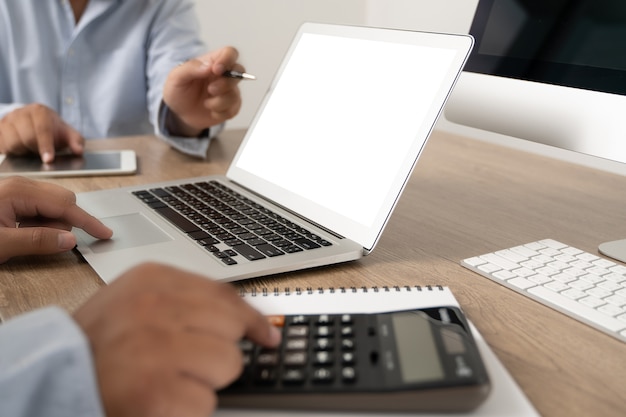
(262, 29)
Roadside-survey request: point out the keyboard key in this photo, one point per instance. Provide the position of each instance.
(249, 252)
(177, 219)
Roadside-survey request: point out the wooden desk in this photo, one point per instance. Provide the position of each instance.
(465, 198)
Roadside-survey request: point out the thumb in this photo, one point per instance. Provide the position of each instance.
(34, 241)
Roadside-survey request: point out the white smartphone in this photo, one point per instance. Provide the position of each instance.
(122, 162)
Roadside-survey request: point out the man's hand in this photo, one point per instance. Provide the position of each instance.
(199, 96)
(38, 129)
(45, 214)
(164, 341)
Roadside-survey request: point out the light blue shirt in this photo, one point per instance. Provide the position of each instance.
(46, 368)
(104, 76)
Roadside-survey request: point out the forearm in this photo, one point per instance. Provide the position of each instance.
(46, 367)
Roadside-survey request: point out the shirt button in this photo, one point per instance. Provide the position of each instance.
(69, 100)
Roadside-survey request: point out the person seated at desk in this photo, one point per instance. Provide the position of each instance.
(157, 341)
(75, 69)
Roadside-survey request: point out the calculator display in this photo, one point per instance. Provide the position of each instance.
(417, 351)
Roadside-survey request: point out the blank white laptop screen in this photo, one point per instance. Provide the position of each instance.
(373, 102)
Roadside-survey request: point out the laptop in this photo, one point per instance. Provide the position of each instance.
(318, 173)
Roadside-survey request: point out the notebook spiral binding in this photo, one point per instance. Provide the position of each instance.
(265, 292)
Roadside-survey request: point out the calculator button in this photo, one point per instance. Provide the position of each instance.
(348, 374)
(346, 319)
(295, 358)
(297, 331)
(299, 320)
(323, 343)
(293, 376)
(324, 320)
(322, 375)
(322, 358)
(347, 358)
(267, 358)
(347, 344)
(246, 345)
(278, 321)
(247, 359)
(265, 376)
(296, 344)
(347, 331)
(324, 331)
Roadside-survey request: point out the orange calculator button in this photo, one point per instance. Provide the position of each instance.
(278, 321)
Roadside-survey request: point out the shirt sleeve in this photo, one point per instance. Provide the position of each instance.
(46, 367)
(174, 38)
(191, 146)
(8, 108)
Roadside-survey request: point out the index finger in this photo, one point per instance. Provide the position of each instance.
(223, 59)
(78, 217)
(38, 198)
(44, 136)
(258, 327)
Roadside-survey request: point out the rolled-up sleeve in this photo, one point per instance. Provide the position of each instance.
(46, 368)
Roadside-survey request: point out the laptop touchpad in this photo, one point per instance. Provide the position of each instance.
(129, 231)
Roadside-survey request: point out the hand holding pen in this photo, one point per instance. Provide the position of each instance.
(203, 92)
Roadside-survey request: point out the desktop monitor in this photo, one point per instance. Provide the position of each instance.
(549, 71)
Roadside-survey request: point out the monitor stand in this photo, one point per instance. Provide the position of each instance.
(615, 249)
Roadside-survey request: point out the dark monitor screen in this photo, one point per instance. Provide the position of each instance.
(573, 43)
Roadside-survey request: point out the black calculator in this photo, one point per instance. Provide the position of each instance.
(417, 360)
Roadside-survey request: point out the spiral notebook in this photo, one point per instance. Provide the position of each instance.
(506, 398)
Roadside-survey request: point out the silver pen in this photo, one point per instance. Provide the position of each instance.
(239, 75)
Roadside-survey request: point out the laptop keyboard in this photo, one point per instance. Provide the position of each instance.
(228, 224)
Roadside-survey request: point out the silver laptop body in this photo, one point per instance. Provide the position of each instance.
(329, 152)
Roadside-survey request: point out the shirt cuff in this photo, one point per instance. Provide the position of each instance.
(46, 368)
(8, 108)
(191, 146)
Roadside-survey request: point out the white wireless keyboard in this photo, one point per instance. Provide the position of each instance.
(580, 284)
